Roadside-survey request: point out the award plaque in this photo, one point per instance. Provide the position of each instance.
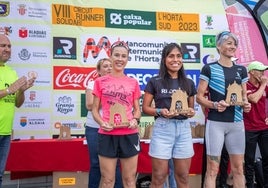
(234, 95)
(118, 116)
(179, 103)
(65, 132)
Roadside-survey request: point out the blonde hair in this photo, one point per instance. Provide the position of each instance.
(100, 62)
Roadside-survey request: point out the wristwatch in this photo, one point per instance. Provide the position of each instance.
(215, 105)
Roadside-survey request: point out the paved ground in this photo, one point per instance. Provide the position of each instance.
(39, 182)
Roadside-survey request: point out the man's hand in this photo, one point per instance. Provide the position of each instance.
(14, 87)
(246, 107)
(28, 84)
(264, 80)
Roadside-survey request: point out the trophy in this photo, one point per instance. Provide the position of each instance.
(65, 132)
(179, 103)
(234, 95)
(118, 116)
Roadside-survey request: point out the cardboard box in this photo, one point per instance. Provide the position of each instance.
(195, 180)
(70, 179)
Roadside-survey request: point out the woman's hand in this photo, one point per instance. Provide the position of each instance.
(190, 113)
(222, 105)
(106, 126)
(133, 124)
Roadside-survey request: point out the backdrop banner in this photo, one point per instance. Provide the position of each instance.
(61, 41)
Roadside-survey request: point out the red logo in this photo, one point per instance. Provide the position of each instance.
(95, 49)
(117, 119)
(23, 32)
(75, 78)
(32, 95)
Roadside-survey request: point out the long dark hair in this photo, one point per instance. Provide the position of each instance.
(163, 72)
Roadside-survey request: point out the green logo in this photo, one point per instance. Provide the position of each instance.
(130, 19)
(209, 41)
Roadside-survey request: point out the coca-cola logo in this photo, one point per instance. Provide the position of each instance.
(76, 78)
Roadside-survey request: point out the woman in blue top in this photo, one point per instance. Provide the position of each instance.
(224, 121)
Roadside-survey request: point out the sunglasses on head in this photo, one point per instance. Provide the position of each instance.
(223, 33)
(120, 43)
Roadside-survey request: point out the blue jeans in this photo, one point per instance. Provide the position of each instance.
(171, 138)
(94, 171)
(4, 150)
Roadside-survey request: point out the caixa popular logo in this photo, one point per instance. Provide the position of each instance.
(94, 48)
(23, 121)
(76, 78)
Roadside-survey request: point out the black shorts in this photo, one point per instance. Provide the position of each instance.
(118, 146)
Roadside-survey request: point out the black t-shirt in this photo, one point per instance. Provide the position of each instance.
(163, 89)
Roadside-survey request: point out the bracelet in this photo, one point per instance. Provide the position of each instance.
(215, 105)
(158, 111)
(8, 92)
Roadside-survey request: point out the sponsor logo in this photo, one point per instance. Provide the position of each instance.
(23, 32)
(79, 16)
(144, 75)
(6, 30)
(22, 9)
(209, 20)
(209, 41)
(193, 75)
(130, 19)
(191, 52)
(33, 10)
(94, 49)
(137, 146)
(35, 121)
(32, 33)
(141, 75)
(209, 58)
(32, 102)
(24, 54)
(23, 121)
(4, 8)
(32, 54)
(64, 48)
(72, 125)
(32, 74)
(65, 105)
(76, 78)
(32, 95)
